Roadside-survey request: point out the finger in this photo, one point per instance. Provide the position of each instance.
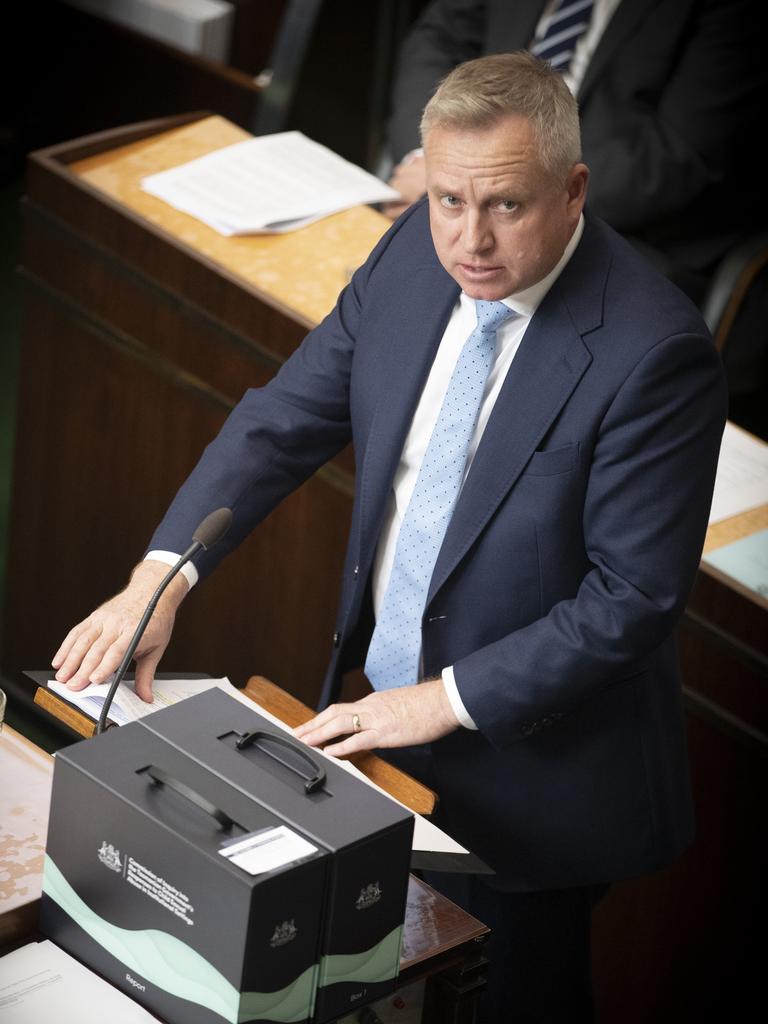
(342, 724)
(112, 656)
(73, 661)
(92, 661)
(325, 716)
(353, 744)
(145, 675)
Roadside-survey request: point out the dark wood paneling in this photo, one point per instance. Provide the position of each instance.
(685, 944)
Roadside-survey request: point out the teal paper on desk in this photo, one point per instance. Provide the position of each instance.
(745, 560)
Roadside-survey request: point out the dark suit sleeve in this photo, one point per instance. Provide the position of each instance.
(645, 515)
(447, 33)
(659, 140)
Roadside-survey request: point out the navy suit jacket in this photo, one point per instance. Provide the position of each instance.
(568, 558)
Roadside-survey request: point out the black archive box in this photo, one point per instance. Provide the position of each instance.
(368, 836)
(136, 886)
(200, 861)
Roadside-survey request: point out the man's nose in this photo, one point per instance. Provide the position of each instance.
(476, 235)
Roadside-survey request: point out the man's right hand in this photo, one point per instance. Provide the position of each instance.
(94, 648)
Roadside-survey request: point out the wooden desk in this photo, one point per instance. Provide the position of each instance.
(141, 330)
(25, 795)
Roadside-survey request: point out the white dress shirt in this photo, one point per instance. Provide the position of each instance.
(460, 325)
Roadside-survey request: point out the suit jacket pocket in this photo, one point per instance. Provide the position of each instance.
(554, 460)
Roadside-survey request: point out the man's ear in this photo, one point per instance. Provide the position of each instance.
(576, 186)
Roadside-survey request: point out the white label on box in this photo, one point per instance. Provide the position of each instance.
(267, 849)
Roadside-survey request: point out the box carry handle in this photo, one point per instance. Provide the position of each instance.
(162, 778)
(312, 783)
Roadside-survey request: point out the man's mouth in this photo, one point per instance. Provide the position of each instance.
(478, 271)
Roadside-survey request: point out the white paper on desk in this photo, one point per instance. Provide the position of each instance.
(267, 185)
(127, 706)
(742, 474)
(40, 982)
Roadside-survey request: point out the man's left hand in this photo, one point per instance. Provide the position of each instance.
(401, 717)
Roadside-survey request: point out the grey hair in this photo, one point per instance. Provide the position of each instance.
(479, 93)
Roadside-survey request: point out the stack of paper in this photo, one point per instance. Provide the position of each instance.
(742, 474)
(270, 184)
(40, 982)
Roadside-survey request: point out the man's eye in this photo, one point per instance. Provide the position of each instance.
(506, 205)
(449, 201)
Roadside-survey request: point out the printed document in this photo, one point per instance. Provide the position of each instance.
(267, 185)
(40, 982)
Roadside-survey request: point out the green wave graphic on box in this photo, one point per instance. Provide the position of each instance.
(379, 963)
(175, 967)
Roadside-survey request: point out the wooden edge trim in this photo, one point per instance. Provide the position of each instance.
(294, 712)
(110, 138)
(64, 712)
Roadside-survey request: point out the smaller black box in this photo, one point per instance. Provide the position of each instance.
(368, 835)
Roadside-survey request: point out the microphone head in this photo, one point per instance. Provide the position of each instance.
(213, 527)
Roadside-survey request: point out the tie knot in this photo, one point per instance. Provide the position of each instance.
(490, 315)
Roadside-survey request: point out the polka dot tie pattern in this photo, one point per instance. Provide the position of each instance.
(395, 649)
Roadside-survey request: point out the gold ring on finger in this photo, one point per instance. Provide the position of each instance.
(356, 726)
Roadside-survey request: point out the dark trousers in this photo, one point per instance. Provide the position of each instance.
(538, 950)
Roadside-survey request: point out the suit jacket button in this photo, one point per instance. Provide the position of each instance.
(356, 570)
(336, 638)
(526, 729)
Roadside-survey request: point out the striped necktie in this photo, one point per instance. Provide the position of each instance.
(395, 648)
(566, 25)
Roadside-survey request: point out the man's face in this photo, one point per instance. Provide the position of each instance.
(499, 222)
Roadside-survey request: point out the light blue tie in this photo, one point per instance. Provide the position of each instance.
(569, 21)
(393, 655)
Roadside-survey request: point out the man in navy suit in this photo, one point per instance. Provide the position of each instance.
(542, 701)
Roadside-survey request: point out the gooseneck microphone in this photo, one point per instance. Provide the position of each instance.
(208, 533)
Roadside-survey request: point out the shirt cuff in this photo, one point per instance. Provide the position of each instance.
(188, 571)
(457, 704)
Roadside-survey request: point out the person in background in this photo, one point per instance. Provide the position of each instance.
(671, 97)
(536, 415)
